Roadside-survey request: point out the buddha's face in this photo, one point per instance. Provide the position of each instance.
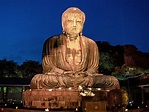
(73, 24)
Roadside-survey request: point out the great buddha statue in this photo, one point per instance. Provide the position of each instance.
(71, 59)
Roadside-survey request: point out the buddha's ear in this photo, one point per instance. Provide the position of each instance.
(63, 27)
(64, 32)
(63, 21)
(80, 34)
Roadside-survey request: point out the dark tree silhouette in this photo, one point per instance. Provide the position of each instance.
(8, 68)
(30, 68)
(110, 57)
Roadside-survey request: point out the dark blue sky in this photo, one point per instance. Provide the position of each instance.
(26, 24)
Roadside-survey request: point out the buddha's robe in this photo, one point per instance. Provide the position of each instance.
(64, 66)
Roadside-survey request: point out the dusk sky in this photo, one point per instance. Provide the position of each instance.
(26, 24)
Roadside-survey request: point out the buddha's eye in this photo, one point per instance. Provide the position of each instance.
(79, 21)
(69, 21)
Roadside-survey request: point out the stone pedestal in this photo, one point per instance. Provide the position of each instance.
(99, 106)
(71, 99)
(51, 98)
(96, 103)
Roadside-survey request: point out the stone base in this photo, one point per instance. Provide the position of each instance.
(94, 106)
(71, 99)
(51, 98)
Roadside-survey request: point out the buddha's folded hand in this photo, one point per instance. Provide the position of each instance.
(68, 73)
(82, 74)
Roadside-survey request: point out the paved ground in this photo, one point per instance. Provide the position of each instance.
(28, 110)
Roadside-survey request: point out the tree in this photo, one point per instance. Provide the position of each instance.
(30, 68)
(106, 63)
(110, 57)
(8, 68)
(125, 72)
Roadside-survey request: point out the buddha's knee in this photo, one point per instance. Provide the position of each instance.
(116, 82)
(35, 81)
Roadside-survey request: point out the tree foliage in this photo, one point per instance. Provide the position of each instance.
(8, 68)
(106, 63)
(110, 57)
(28, 69)
(125, 72)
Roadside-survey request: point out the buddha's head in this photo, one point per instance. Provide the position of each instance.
(73, 21)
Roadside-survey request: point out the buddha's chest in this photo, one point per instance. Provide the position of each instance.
(73, 53)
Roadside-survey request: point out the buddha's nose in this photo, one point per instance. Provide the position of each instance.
(74, 23)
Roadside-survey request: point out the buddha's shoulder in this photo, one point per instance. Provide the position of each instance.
(87, 39)
(52, 38)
